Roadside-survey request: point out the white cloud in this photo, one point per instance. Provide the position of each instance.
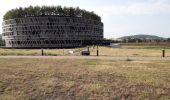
(151, 7)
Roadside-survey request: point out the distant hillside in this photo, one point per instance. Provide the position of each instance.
(142, 37)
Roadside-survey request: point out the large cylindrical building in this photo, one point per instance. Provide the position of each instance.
(51, 31)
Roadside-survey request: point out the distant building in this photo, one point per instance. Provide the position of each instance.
(51, 31)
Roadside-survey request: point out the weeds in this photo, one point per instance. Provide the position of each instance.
(91, 62)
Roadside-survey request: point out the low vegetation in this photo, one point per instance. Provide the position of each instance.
(83, 79)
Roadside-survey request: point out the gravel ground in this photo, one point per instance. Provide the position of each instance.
(92, 57)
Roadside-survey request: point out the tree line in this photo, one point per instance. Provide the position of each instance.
(50, 10)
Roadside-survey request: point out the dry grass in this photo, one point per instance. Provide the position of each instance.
(84, 79)
(20, 52)
(131, 51)
(36, 52)
(134, 51)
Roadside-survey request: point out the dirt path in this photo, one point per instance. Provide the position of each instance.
(91, 57)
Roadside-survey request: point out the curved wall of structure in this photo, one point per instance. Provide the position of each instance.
(51, 32)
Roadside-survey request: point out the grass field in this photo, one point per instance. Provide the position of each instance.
(131, 51)
(134, 51)
(36, 52)
(83, 79)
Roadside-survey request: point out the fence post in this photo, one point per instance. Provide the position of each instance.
(88, 48)
(63, 51)
(42, 52)
(163, 52)
(97, 51)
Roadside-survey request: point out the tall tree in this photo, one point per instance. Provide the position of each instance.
(60, 10)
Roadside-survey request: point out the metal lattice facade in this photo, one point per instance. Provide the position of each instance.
(51, 32)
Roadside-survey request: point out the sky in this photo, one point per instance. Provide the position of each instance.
(120, 17)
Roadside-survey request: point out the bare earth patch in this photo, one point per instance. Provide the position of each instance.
(83, 79)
